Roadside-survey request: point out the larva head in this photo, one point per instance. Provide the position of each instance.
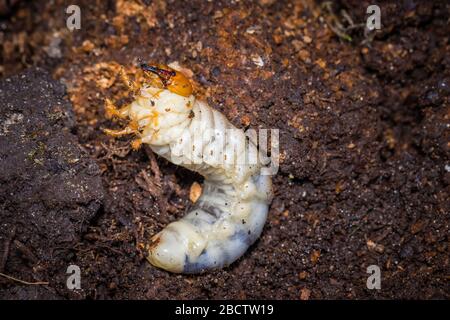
(170, 79)
(163, 107)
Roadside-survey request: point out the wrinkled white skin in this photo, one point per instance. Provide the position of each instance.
(231, 212)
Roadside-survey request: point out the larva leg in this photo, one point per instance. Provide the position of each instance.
(131, 128)
(112, 111)
(130, 83)
(119, 133)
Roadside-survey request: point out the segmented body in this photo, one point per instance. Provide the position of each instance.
(230, 214)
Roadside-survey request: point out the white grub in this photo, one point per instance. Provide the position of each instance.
(230, 214)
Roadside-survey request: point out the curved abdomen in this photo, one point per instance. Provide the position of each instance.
(230, 214)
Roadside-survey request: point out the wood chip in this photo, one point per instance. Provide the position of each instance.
(195, 192)
(315, 255)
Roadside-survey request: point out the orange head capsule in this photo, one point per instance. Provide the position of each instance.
(171, 79)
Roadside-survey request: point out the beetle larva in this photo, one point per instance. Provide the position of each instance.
(230, 214)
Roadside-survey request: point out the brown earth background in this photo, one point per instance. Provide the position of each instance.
(364, 137)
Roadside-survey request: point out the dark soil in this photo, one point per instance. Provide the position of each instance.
(50, 189)
(364, 137)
